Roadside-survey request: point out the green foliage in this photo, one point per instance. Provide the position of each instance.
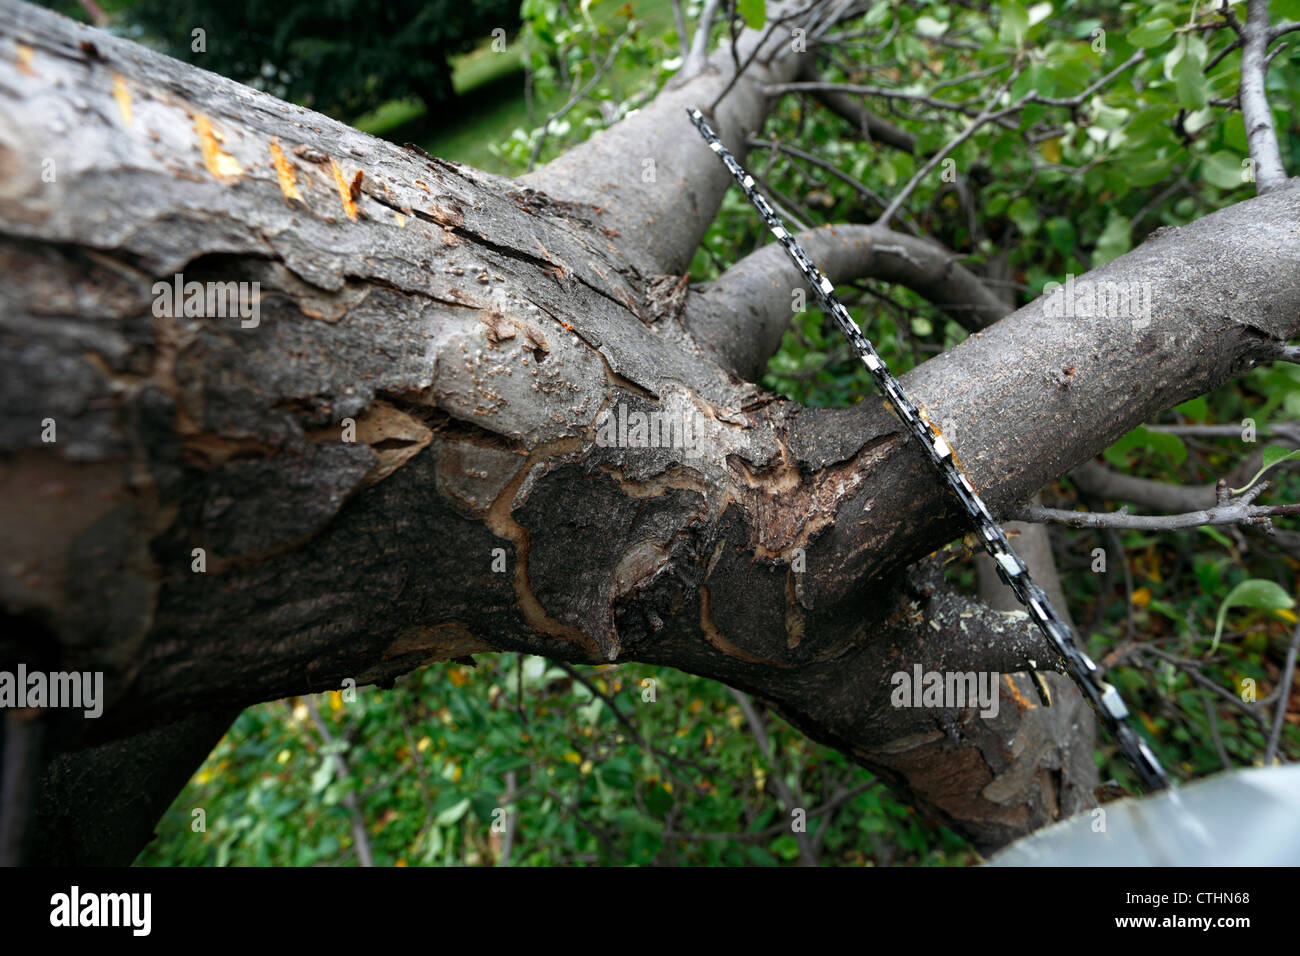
(431, 761)
(342, 57)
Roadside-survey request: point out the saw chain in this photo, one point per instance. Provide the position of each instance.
(1103, 697)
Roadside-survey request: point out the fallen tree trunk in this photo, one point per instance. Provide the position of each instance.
(402, 460)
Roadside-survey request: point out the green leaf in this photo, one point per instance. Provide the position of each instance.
(929, 27)
(1025, 215)
(1197, 409)
(1273, 455)
(1144, 438)
(1234, 133)
(658, 801)
(1183, 64)
(1038, 13)
(1152, 33)
(1014, 23)
(1222, 170)
(1060, 233)
(1214, 534)
(452, 813)
(323, 775)
(879, 14)
(1189, 82)
(1253, 592)
(754, 13)
(1115, 240)
(786, 847)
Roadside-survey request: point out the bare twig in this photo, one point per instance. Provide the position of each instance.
(1080, 98)
(740, 68)
(358, 823)
(807, 852)
(986, 115)
(682, 42)
(1237, 511)
(1212, 718)
(1281, 29)
(507, 799)
(698, 55)
(1261, 137)
(775, 829)
(1283, 698)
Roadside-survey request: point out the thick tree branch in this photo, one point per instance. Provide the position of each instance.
(741, 316)
(1261, 137)
(654, 189)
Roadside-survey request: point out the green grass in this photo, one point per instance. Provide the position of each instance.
(491, 87)
(483, 66)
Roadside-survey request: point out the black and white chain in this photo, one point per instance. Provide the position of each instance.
(1104, 698)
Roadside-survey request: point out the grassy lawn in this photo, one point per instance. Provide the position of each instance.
(491, 86)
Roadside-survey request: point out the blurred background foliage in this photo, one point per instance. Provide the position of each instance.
(591, 770)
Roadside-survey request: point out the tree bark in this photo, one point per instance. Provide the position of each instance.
(474, 328)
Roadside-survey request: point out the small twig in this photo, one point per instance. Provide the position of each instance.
(682, 42)
(807, 852)
(1079, 98)
(775, 829)
(359, 838)
(1283, 28)
(740, 68)
(865, 192)
(1234, 511)
(695, 58)
(1131, 627)
(577, 97)
(627, 724)
(1213, 719)
(986, 115)
(1283, 698)
(507, 799)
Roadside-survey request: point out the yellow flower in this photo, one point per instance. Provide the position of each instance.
(1142, 597)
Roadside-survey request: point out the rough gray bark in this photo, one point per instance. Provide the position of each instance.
(741, 317)
(474, 328)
